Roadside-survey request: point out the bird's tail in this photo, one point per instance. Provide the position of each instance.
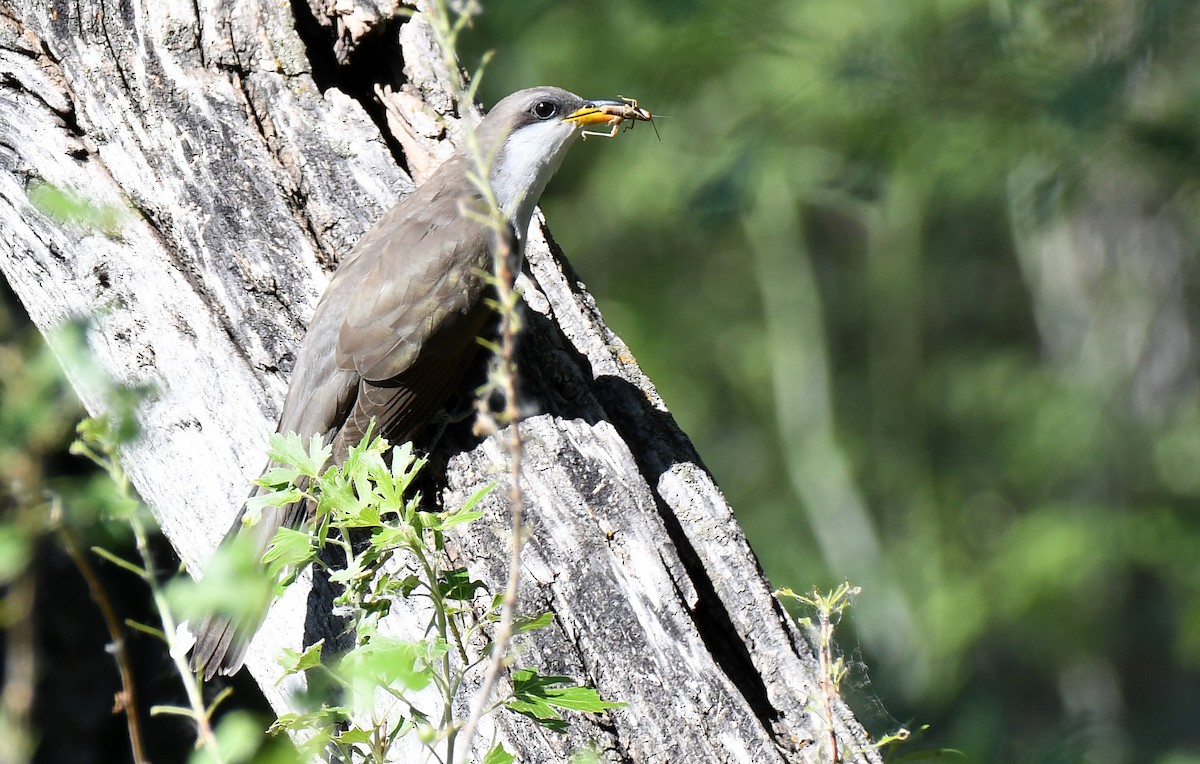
(222, 639)
(220, 647)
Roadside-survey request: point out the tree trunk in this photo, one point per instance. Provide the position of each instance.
(242, 158)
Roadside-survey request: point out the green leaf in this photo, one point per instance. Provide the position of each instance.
(522, 625)
(272, 499)
(234, 584)
(294, 662)
(325, 716)
(386, 662)
(289, 449)
(359, 514)
(340, 501)
(70, 209)
(389, 537)
(407, 585)
(239, 736)
(539, 697)
(477, 497)
(457, 585)
(354, 736)
(355, 568)
(448, 521)
(289, 548)
(499, 756)
(278, 476)
(391, 485)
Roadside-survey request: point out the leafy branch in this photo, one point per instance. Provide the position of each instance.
(389, 688)
(99, 439)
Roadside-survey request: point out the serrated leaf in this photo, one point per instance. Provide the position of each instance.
(278, 476)
(272, 499)
(288, 448)
(457, 584)
(389, 495)
(385, 662)
(311, 721)
(579, 698)
(354, 569)
(294, 662)
(234, 585)
(402, 586)
(336, 492)
(499, 756)
(536, 709)
(477, 497)
(539, 695)
(403, 463)
(456, 518)
(391, 537)
(289, 547)
(361, 514)
(354, 736)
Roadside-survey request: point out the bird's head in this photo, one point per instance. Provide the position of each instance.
(524, 138)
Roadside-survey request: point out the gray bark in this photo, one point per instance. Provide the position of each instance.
(243, 168)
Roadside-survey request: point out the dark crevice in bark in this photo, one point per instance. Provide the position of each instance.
(716, 628)
(199, 40)
(115, 56)
(656, 444)
(242, 80)
(40, 53)
(375, 59)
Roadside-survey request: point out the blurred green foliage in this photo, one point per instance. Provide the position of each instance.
(919, 278)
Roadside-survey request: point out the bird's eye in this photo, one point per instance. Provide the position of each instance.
(545, 109)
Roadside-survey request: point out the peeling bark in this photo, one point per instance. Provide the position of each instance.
(247, 151)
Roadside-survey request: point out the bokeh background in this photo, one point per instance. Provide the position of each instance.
(920, 279)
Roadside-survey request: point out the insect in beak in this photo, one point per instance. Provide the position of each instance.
(610, 112)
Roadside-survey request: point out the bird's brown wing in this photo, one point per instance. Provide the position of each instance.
(403, 406)
(412, 320)
(422, 290)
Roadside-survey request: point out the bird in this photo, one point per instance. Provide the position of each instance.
(395, 330)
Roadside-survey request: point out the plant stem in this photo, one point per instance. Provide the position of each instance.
(107, 458)
(128, 697)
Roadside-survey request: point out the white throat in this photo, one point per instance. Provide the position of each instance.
(525, 164)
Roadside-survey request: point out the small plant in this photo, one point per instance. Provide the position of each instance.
(393, 549)
(98, 440)
(827, 609)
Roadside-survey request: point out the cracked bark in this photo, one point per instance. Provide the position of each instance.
(247, 151)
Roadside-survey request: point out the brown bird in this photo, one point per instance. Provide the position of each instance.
(396, 328)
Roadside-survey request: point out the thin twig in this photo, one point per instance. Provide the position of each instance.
(828, 683)
(127, 700)
(516, 497)
(170, 628)
(503, 260)
(102, 449)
